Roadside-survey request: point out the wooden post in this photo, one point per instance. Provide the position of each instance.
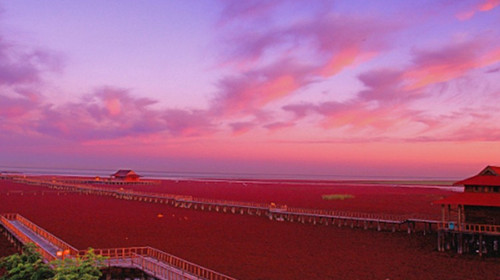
(459, 222)
(442, 214)
(480, 245)
(439, 241)
(460, 243)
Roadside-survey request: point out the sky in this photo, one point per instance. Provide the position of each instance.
(339, 88)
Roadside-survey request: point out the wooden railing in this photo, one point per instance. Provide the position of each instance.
(218, 202)
(48, 236)
(473, 228)
(155, 261)
(227, 203)
(347, 214)
(481, 228)
(148, 259)
(23, 238)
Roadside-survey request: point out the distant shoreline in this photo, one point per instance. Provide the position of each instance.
(172, 175)
(402, 183)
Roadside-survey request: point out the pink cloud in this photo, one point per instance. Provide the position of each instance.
(275, 126)
(483, 6)
(383, 105)
(14, 107)
(332, 43)
(385, 85)
(300, 110)
(342, 40)
(188, 123)
(20, 66)
(359, 116)
(449, 62)
(239, 128)
(247, 10)
(489, 5)
(250, 91)
(347, 57)
(111, 113)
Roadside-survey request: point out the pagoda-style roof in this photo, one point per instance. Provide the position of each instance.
(472, 198)
(490, 176)
(122, 173)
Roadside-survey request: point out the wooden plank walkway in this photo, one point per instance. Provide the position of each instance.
(37, 239)
(274, 212)
(153, 262)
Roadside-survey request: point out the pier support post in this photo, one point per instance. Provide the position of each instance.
(460, 243)
(439, 241)
(480, 245)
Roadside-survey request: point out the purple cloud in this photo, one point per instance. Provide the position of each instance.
(111, 113)
(247, 10)
(21, 67)
(14, 107)
(275, 126)
(248, 92)
(450, 61)
(300, 110)
(188, 123)
(241, 127)
(272, 58)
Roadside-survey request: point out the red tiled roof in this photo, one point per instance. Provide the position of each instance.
(496, 169)
(124, 173)
(471, 198)
(484, 178)
(480, 180)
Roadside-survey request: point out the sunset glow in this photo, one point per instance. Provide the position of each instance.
(367, 88)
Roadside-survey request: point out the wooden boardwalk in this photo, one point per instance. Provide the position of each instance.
(151, 261)
(272, 211)
(44, 244)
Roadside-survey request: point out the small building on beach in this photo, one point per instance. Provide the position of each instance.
(470, 221)
(126, 175)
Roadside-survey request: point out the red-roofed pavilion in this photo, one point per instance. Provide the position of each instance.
(471, 220)
(126, 175)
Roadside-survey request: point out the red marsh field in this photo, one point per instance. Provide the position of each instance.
(251, 247)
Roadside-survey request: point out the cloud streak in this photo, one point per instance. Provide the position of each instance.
(270, 60)
(387, 104)
(273, 64)
(481, 6)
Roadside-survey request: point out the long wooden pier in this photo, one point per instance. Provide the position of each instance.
(272, 211)
(151, 261)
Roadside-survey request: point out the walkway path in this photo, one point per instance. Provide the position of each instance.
(151, 261)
